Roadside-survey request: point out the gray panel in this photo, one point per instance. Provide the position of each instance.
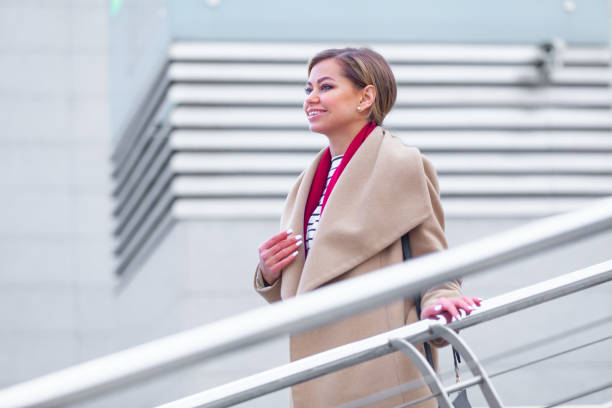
(30, 356)
(98, 273)
(90, 28)
(89, 117)
(25, 28)
(52, 264)
(361, 20)
(91, 212)
(25, 215)
(18, 170)
(43, 307)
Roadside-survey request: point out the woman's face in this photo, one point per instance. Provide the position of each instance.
(331, 100)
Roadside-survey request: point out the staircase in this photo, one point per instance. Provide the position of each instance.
(513, 130)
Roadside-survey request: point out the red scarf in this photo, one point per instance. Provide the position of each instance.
(320, 177)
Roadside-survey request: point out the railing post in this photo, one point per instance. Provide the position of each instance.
(427, 370)
(472, 361)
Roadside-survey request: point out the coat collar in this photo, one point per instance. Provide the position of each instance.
(380, 196)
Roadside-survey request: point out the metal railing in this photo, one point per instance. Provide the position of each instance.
(310, 310)
(376, 346)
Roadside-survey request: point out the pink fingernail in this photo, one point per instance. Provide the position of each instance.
(297, 244)
(297, 237)
(295, 253)
(289, 231)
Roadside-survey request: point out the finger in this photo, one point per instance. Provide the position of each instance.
(290, 240)
(285, 247)
(288, 250)
(446, 316)
(275, 239)
(442, 316)
(468, 300)
(462, 306)
(436, 311)
(430, 311)
(475, 302)
(449, 307)
(279, 266)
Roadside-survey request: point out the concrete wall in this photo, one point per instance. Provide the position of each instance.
(138, 38)
(55, 257)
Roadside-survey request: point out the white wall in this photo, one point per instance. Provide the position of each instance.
(55, 242)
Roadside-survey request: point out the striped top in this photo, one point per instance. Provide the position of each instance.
(313, 221)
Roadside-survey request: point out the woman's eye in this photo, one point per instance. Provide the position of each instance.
(323, 87)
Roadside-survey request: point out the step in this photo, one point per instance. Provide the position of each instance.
(404, 53)
(401, 118)
(425, 96)
(450, 185)
(278, 73)
(193, 208)
(460, 141)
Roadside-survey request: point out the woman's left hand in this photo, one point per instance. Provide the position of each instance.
(451, 308)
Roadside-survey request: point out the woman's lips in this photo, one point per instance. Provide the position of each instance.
(316, 115)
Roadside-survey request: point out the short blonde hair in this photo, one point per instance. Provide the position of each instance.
(364, 67)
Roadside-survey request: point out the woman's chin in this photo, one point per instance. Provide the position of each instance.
(315, 128)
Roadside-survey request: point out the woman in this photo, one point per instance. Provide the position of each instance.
(353, 204)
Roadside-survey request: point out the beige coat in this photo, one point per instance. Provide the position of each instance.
(386, 190)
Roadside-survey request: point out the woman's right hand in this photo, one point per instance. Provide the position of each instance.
(278, 252)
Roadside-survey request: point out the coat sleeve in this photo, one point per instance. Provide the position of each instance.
(429, 237)
(270, 293)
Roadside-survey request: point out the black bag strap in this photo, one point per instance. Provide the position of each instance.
(417, 301)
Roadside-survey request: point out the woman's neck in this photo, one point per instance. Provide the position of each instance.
(340, 141)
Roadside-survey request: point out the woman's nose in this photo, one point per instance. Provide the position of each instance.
(312, 96)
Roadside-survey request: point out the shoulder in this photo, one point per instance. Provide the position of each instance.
(398, 151)
(403, 153)
(406, 155)
(430, 172)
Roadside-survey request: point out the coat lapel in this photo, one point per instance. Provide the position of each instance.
(293, 217)
(381, 195)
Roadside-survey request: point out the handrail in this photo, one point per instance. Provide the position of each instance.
(581, 394)
(307, 311)
(354, 353)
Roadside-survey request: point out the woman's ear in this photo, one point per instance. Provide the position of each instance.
(368, 96)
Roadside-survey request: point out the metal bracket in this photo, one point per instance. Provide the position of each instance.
(552, 59)
(472, 361)
(427, 370)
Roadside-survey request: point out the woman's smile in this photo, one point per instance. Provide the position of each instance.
(314, 113)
